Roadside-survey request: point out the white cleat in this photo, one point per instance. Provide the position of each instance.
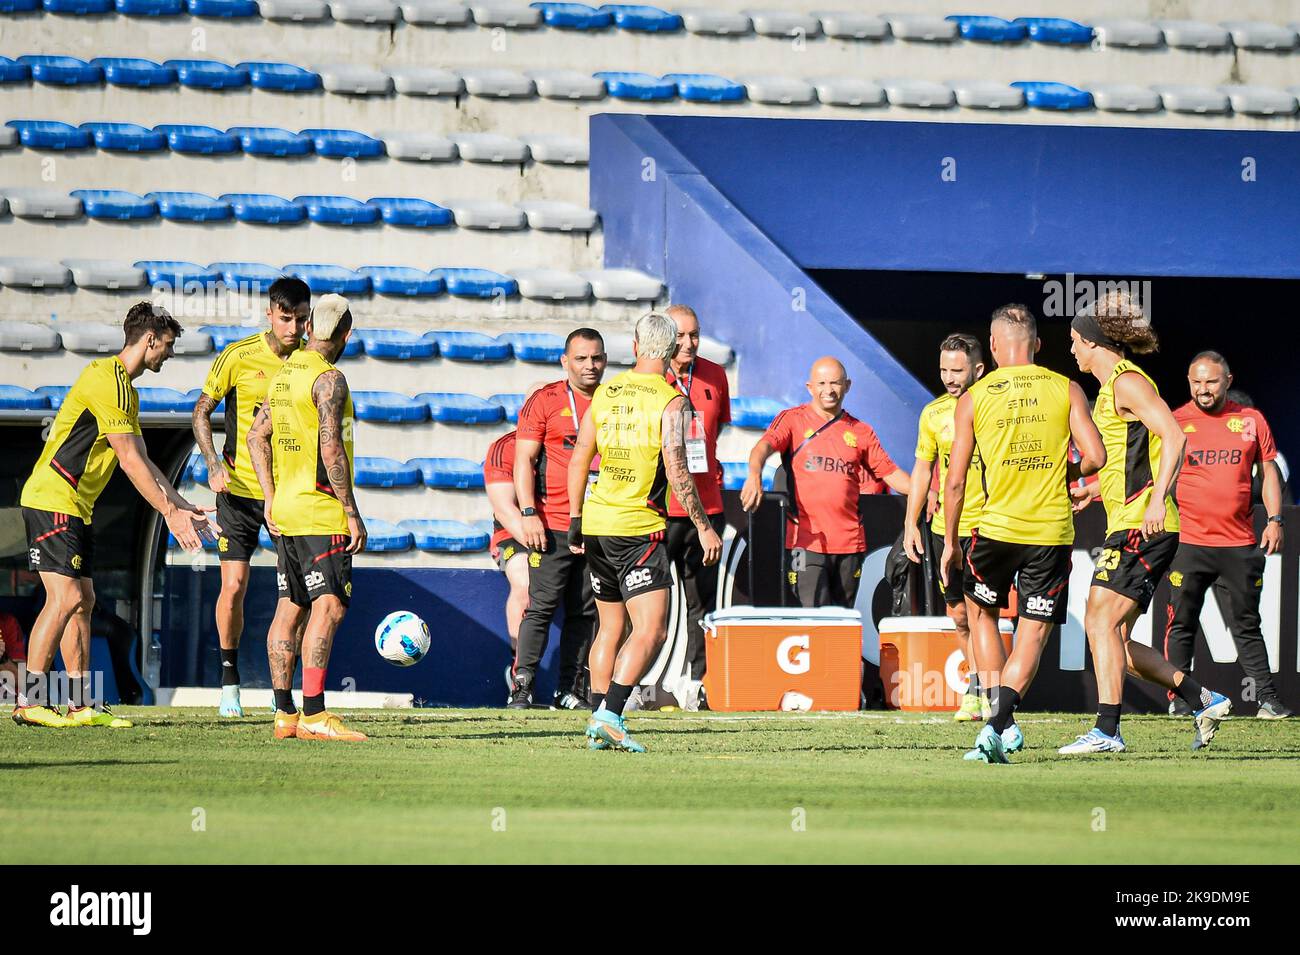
(1093, 741)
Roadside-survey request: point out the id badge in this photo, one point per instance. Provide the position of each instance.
(697, 453)
(591, 483)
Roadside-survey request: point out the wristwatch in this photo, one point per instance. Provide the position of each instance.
(1276, 519)
(528, 512)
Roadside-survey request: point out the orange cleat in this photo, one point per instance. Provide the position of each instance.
(286, 724)
(327, 725)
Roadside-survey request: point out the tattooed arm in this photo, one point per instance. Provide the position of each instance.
(330, 393)
(259, 453)
(673, 434)
(202, 424)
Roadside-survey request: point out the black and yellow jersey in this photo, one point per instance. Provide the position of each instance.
(1132, 460)
(77, 460)
(934, 442)
(629, 498)
(240, 375)
(1022, 431)
(305, 503)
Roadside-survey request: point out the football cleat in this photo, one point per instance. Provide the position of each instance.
(1178, 707)
(567, 701)
(230, 705)
(988, 747)
(521, 692)
(610, 727)
(969, 710)
(40, 716)
(101, 716)
(286, 724)
(1093, 741)
(1274, 710)
(1012, 739)
(327, 726)
(986, 708)
(1208, 718)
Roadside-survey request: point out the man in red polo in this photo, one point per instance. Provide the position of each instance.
(1217, 544)
(704, 385)
(824, 450)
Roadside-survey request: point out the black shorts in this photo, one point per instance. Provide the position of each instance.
(1040, 572)
(59, 544)
(313, 566)
(507, 549)
(954, 594)
(824, 580)
(622, 567)
(240, 519)
(1132, 566)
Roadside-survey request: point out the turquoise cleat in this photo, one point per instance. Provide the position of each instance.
(989, 747)
(230, 705)
(1012, 739)
(610, 728)
(1207, 719)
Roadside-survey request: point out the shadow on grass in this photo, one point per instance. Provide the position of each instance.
(58, 764)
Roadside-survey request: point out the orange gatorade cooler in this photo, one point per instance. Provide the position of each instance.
(768, 658)
(921, 666)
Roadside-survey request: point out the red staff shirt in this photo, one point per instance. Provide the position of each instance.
(549, 417)
(12, 634)
(705, 386)
(825, 473)
(499, 468)
(1214, 502)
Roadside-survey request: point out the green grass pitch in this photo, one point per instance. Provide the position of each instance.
(437, 786)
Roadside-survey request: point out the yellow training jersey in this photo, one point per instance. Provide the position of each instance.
(241, 374)
(934, 441)
(629, 497)
(77, 460)
(305, 504)
(1022, 430)
(1132, 461)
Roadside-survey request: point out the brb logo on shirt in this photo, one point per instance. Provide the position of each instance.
(1211, 456)
(821, 462)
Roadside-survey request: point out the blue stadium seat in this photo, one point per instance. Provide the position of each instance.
(477, 283)
(115, 204)
(267, 542)
(734, 474)
(451, 536)
(126, 137)
(394, 343)
(223, 335)
(151, 8)
(534, 346)
(344, 142)
(401, 280)
(510, 403)
(1055, 30)
(54, 394)
(251, 276)
(989, 29)
(329, 278)
(62, 70)
(196, 469)
(208, 74)
(1048, 95)
(19, 6)
(11, 71)
(190, 207)
(388, 406)
(469, 346)
(131, 71)
(386, 537)
(706, 88)
(205, 140)
(460, 409)
(281, 77)
(14, 398)
(338, 210)
(458, 473)
(258, 207)
(79, 8)
(643, 19)
(421, 213)
(223, 9)
(164, 399)
(178, 275)
(270, 141)
(573, 16)
(754, 412)
(50, 134)
(637, 86)
(384, 472)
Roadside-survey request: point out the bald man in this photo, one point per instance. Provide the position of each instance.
(825, 452)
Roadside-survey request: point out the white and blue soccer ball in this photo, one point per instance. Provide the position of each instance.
(402, 638)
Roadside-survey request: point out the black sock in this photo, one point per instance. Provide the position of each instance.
(596, 700)
(229, 667)
(1108, 718)
(284, 701)
(974, 688)
(77, 692)
(616, 697)
(36, 689)
(1004, 701)
(1193, 694)
(311, 705)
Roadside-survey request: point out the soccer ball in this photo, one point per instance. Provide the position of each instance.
(402, 638)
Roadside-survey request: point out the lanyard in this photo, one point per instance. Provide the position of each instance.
(814, 434)
(573, 408)
(690, 379)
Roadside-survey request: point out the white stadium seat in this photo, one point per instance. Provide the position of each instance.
(554, 148)
(1181, 98)
(426, 81)
(1131, 34)
(623, 285)
(848, 91)
(105, 273)
(497, 83)
(778, 90)
(848, 25)
(490, 147)
(923, 93)
(987, 94)
(26, 336)
(29, 203)
(567, 84)
(921, 26)
(716, 351)
(92, 338)
(710, 22)
(1254, 35)
(423, 147)
(551, 285)
(784, 23)
(364, 11)
(33, 272)
(355, 80)
(8, 137)
(519, 16)
(618, 350)
(486, 214)
(435, 13)
(559, 216)
(1125, 98)
(1259, 100)
(1194, 35)
(297, 11)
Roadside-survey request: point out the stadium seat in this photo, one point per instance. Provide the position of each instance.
(28, 203)
(224, 335)
(1055, 30)
(196, 469)
(847, 25)
(193, 343)
(921, 27)
(364, 11)
(416, 213)
(783, 23)
(460, 409)
(426, 81)
(709, 22)
(477, 283)
(338, 210)
(1130, 34)
(468, 346)
(190, 207)
(353, 80)
(150, 8)
(386, 537)
(924, 94)
(566, 84)
(706, 88)
(987, 94)
(490, 147)
(552, 285)
(503, 13)
(8, 138)
(452, 536)
(253, 277)
(1048, 95)
(637, 86)
(203, 140)
(510, 404)
(1124, 98)
(455, 473)
(108, 274)
(716, 351)
(384, 472)
(619, 351)
(559, 216)
(557, 149)
(178, 275)
(388, 406)
(258, 207)
(1194, 35)
(344, 142)
(54, 394)
(435, 13)
(50, 134)
(322, 279)
(643, 19)
(126, 137)
(280, 77)
(779, 90)
(541, 347)
(164, 399)
(623, 285)
(486, 214)
(754, 413)
(208, 74)
(11, 71)
(418, 146)
(295, 11)
(989, 29)
(395, 343)
(1181, 98)
(735, 473)
(573, 16)
(92, 338)
(14, 398)
(222, 9)
(79, 8)
(62, 70)
(848, 91)
(1254, 35)
(130, 71)
(498, 84)
(30, 272)
(115, 204)
(399, 280)
(1259, 100)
